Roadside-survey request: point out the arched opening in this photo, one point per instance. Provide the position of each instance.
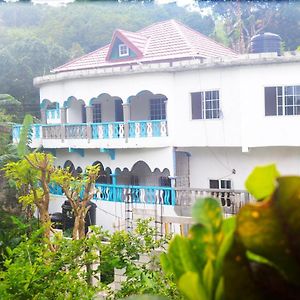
(52, 111)
(148, 106)
(76, 112)
(141, 175)
(107, 109)
(70, 167)
(104, 174)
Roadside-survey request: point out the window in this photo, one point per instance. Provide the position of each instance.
(205, 105)
(217, 184)
(223, 184)
(123, 50)
(97, 113)
(282, 100)
(158, 109)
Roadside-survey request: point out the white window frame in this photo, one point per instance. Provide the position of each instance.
(204, 104)
(220, 183)
(283, 98)
(123, 50)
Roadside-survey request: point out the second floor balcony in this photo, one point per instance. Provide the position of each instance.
(105, 120)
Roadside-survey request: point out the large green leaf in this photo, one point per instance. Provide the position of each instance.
(180, 256)
(191, 286)
(208, 212)
(287, 202)
(262, 231)
(262, 181)
(228, 229)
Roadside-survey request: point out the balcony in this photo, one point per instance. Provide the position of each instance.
(230, 200)
(95, 131)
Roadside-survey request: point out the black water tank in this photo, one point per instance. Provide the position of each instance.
(68, 216)
(265, 42)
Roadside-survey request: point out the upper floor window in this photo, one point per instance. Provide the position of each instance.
(205, 105)
(96, 113)
(282, 100)
(158, 109)
(123, 50)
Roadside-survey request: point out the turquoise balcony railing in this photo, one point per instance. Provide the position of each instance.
(108, 130)
(125, 193)
(52, 114)
(135, 194)
(148, 128)
(36, 131)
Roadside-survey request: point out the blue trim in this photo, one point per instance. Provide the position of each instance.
(120, 193)
(77, 150)
(111, 152)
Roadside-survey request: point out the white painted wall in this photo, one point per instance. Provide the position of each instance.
(74, 112)
(243, 123)
(218, 163)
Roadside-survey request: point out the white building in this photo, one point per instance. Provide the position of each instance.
(168, 111)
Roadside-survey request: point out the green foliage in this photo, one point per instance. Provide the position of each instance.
(267, 246)
(261, 182)
(34, 272)
(25, 136)
(197, 260)
(12, 228)
(252, 257)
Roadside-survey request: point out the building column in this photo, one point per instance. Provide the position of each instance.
(43, 116)
(89, 121)
(63, 121)
(126, 114)
(114, 183)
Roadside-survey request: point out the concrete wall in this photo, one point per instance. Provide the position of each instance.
(241, 91)
(218, 163)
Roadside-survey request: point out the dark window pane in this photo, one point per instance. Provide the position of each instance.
(279, 91)
(213, 184)
(197, 99)
(119, 111)
(297, 89)
(208, 114)
(270, 101)
(279, 100)
(280, 111)
(289, 110)
(288, 90)
(289, 100)
(297, 110)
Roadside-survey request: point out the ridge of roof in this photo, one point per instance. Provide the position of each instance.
(204, 36)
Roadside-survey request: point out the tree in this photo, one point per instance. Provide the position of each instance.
(32, 176)
(79, 191)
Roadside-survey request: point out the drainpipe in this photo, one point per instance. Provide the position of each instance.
(89, 121)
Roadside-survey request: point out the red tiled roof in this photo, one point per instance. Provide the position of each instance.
(165, 40)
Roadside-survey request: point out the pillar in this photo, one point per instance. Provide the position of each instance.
(126, 113)
(63, 121)
(89, 121)
(43, 116)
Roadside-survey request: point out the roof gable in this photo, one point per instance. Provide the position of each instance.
(120, 38)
